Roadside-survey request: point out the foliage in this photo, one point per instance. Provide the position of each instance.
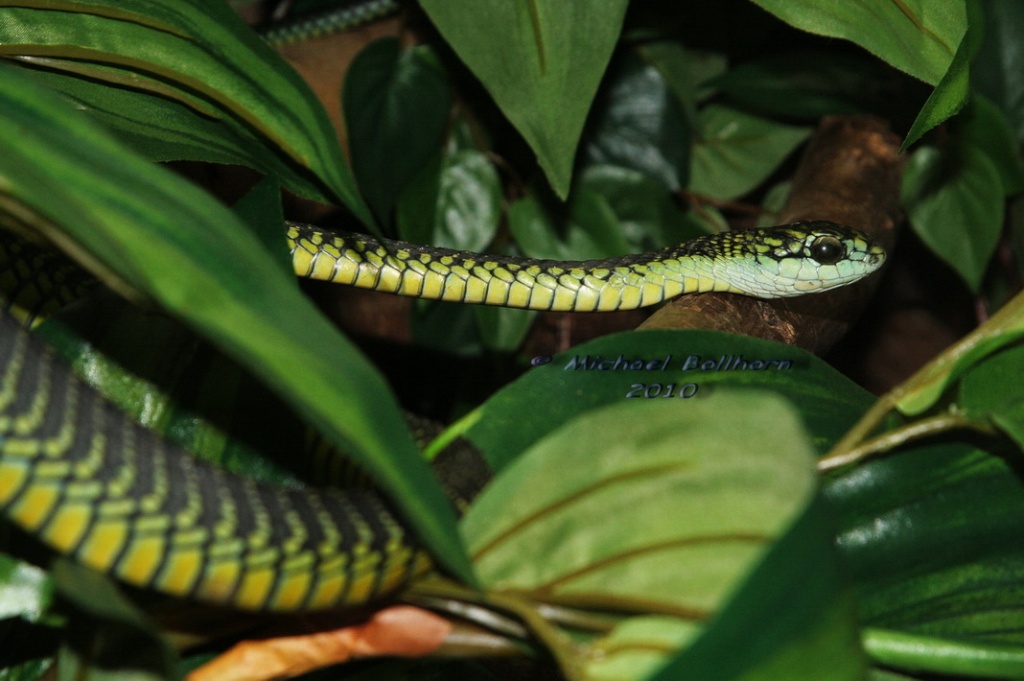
(667, 517)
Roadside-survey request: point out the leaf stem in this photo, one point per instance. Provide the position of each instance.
(843, 456)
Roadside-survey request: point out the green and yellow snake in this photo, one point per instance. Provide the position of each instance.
(79, 476)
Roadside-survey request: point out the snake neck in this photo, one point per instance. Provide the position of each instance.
(402, 268)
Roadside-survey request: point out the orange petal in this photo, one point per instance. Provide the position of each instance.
(402, 631)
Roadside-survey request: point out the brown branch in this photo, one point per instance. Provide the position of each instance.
(850, 174)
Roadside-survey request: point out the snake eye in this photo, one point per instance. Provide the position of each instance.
(827, 250)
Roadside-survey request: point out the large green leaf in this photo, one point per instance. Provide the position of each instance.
(668, 516)
(196, 52)
(931, 536)
(150, 233)
(916, 36)
(998, 73)
(993, 393)
(680, 367)
(794, 618)
(953, 90)
(734, 152)
(541, 61)
(638, 123)
(397, 103)
(955, 201)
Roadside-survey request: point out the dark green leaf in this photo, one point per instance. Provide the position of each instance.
(687, 72)
(985, 126)
(638, 124)
(954, 199)
(644, 210)
(559, 388)
(541, 61)
(931, 537)
(805, 85)
(397, 102)
(997, 73)
(195, 51)
(183, 249)
(734, 151)
(916, 36)
(591, 228)
(993, 392)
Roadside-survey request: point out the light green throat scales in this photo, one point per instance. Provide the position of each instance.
(774, 262)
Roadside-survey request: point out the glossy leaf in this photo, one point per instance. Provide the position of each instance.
(734, 151)
(944, 656)
(541, 61)
(178, 246)
(208, 60)
(687, 72)
(916, 36)
(638, 123)
(954, 200)
(397, 103)
(696, 364)
(930, 537)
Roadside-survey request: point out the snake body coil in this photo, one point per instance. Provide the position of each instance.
(95, 486)
(78, 475)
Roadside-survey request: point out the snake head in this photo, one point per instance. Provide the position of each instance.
(817, 256)
(796, 259)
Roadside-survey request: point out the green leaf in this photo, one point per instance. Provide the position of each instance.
(794, 618)
(945, 656)
(638, 124)
(687, 72)
(697, 477)
(590, 228)
(681, 367)
(806, 85)
(997, 73)
(646, 214)
(184, 250)
(397, 102)
(707, 503)
(922, 390)
(954, 200)
(930, 536)
(541, 61)
(198, 53)
(456, 203)
(916, 36)
(986, 127)
(992, 392)
(953, 90)
(734, 151)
